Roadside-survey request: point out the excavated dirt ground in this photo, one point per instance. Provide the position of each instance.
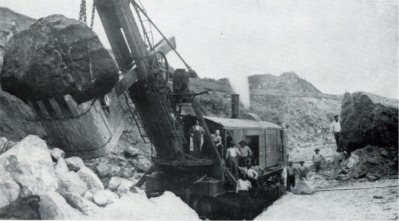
(362, 204)
(356, 204)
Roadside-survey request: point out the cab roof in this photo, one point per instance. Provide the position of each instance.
(230, 123)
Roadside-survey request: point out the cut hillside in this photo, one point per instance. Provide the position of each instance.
(217, 102)
(292, 102)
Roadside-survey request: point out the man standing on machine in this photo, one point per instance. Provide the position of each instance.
(197, 134)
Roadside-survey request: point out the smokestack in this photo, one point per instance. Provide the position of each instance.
(235, 106)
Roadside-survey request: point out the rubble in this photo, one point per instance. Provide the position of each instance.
(85, 206)
(368, 162)
(9, 192)
(70, 182)
(91, 179)
(57, 56)
(29, 164)
(74, 163)
(54, 206)
(104, 197)
(32, 186)
(143, 164)
(60, 167)
(57, 153)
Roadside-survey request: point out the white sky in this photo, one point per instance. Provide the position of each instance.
(339, 46)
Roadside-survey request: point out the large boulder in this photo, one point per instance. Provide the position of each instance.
(70, 182)
(54, 206)
(104, 197)
(143, 164)
(368, 119)
(120, 185)
(57, 56)
(90, 178)
(57, 153)
(29, 164)
(60, 167)
(9, 192)
(83, 205)
(74, 163)
(107, 170)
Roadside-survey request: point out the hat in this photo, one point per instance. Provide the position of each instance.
(336, 115)
(317, 149)
(301, 162)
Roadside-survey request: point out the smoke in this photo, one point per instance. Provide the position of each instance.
(240, 86)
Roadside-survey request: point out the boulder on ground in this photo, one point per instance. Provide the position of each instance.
(57, 153)
(74, 163)
(88, 195)
(368, 119)
(131, 152)
(57, 56)
(83, 205)
(125, 188)
(143, 164)
(114, 182)
(107, 170)
(104, 197)
(54, 206)
(91, 179)
(29, 164)
(70, 182)
(60, 167)
(303, 188)
(120, 185)
(9, 192)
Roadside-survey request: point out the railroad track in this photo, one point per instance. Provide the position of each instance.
(356, 188)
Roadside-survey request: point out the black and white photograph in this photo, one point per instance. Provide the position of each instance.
(199, 109)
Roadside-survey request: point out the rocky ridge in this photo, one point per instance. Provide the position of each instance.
(298, 106)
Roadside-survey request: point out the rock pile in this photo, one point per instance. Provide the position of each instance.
(32, 173)
(39, 183)
(57, 56)
(128, 164)
(370, 162)
(368, 119)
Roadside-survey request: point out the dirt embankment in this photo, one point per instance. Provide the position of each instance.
(359, 204)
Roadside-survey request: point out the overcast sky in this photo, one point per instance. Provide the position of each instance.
(339, 46)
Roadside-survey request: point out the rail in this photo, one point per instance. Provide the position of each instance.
(356, 188)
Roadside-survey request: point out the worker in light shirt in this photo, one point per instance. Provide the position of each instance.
(335, 128)
(232, 155)
(243, 184)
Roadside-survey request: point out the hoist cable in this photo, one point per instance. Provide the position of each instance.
(163, 36)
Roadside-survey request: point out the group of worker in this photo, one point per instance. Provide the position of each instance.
(245, 170)
(302, 170)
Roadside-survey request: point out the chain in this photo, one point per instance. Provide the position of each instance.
(163, 36)
(93, 12)
(82, 13)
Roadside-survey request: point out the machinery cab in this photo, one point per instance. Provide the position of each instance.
(265, 139)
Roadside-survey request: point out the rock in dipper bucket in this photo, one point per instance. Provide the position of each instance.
(57, 56)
